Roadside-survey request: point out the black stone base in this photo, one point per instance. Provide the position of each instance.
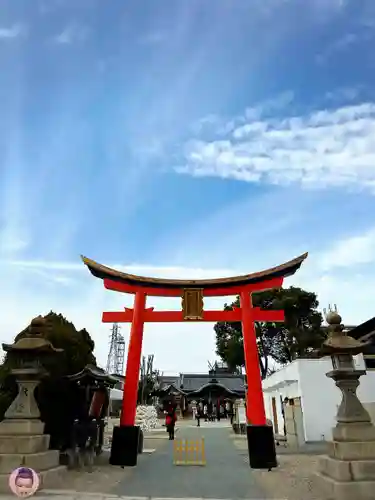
(125, 445)
(261, 445)
(140, 441)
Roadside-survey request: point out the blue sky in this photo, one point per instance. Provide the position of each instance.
(184, 138)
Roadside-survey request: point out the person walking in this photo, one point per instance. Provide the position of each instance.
(198, 416)
(170, 422)
(205, 413)
(227, 409)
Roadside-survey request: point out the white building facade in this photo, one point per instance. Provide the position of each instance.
(312, 399)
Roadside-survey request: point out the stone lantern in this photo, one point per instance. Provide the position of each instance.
(352, 417)
(22, 438)
(28, 353)
(348, 471)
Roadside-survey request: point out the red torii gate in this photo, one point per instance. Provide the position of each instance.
(125, 443)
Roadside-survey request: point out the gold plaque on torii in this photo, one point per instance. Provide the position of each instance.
(192, 303)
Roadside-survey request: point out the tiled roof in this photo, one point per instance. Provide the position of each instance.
(212, 388)
(95, 373)
(193, 382)
(366, 332)
(363, 329)
(166, 381)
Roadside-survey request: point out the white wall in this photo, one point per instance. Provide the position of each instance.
(320, 397)
(287, 391)
(288, 372)
(282, 384)
(116, 395)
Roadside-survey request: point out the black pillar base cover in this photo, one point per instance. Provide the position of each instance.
(125, 442)
(261, 445)
(140, 441)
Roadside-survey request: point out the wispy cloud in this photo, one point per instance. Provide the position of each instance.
(215, 124)
(15, 233)
(47, 6)
(153, 38)
(338, 45)
(72, 33)
(354, 250)
(11, 242)
(207, 121)
(14, 31)
(271, 105)
(325, 148)
(341, 44)
(346, 94)
(145, 270)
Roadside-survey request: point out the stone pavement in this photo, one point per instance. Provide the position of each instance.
(71, 495)
(225, 476)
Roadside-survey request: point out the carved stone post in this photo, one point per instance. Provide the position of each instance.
(24, 406)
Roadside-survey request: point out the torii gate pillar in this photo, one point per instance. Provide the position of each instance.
(133, 364)
(255, 411)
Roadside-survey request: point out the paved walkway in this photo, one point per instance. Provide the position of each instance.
(226, 475)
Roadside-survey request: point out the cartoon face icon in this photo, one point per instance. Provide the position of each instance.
(24, 482)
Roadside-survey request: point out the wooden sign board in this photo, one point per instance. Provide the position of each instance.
(192, 304)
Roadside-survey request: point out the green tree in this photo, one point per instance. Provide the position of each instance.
(296, 337)
(54, 393)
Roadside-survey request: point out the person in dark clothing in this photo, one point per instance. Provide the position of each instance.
(198, 416)
(210, 411)
(170, 422)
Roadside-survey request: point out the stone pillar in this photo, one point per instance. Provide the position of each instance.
(24, 406)
(22, 416)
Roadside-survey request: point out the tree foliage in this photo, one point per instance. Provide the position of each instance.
(283, 342)
(146, 387)
(54, 393)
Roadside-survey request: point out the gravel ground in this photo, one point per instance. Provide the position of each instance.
(101, 479)
(294, 479)
(104, 477)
